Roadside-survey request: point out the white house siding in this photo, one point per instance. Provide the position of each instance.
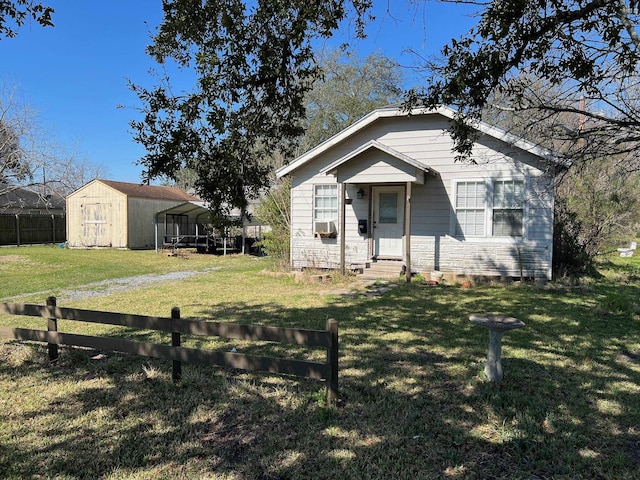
(375, 166)
(433, 245)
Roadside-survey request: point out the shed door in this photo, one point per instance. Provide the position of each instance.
(388, 221)
(96, 224)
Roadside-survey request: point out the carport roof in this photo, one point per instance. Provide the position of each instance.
(192, 209)
(198, 210)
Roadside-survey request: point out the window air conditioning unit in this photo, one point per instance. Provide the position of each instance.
(325, 229)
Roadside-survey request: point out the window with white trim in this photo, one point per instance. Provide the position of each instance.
(508, 208)
(489, 208)
(325, 210)
(470, 209)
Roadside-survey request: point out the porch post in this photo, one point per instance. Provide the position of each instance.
(407, 232)
(244, 235)
(343, 243)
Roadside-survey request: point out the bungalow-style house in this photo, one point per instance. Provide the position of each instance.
(388, 188)
(106, 213)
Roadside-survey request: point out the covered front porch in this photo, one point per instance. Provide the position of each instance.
(375, 184)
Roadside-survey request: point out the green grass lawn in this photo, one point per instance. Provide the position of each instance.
(415, 403)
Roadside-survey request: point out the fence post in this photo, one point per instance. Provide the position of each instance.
(175, 342)
(52, 326)
(332, 361)
(17, 229)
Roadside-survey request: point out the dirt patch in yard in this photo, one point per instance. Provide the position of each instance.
(10, 258)
(9, 261)
(5, 259)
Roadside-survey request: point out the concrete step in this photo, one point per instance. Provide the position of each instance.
(382, 269)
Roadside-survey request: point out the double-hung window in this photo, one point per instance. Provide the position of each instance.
(489, 208)
(325, 210)
(508, 208)
(470, 209)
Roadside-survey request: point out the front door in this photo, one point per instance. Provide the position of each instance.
(388, 221)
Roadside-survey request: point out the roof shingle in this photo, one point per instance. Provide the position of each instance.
(151, 191)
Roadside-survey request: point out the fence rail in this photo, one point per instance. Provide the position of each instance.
(24, 229)
(327, 339)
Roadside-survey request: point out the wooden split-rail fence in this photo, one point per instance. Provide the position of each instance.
(177, 326)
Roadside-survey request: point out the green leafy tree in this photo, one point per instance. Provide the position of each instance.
(350, 87)
(14, 13)
(275, 211)
(607, 202)
(588, 49)
(254, 65)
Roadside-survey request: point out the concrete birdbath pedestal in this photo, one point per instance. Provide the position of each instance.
(497, 325)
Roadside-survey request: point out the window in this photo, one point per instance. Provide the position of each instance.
(508, 208)
(489, 209)
(325, 210)
(388, 208)
(470, 208)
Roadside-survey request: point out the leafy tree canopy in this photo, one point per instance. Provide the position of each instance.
(350, 87)
(588, 49)
(254, 64)
(14, 13)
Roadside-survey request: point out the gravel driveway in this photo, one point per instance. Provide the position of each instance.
(116, 285)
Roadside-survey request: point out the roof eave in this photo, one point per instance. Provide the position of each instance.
(397, 111)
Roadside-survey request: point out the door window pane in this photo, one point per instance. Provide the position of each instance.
(388, 209)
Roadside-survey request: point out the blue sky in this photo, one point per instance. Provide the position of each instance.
(75, 74)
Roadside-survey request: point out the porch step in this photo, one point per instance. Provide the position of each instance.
(382, 269)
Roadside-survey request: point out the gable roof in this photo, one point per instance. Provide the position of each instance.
(399, 111)
(21, 198)
(375, 145)
(150, 191)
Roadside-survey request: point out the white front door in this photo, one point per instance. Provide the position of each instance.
(388, 221)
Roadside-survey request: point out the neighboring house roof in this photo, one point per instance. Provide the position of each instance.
(399, 111)
(150, 191)
(20, 198)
